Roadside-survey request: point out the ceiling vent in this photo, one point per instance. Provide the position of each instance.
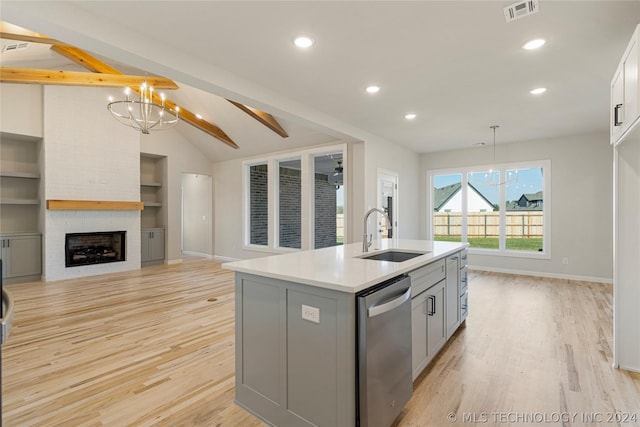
(520, 10)
(14, 47)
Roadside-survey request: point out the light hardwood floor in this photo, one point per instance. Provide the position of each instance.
(156, 347)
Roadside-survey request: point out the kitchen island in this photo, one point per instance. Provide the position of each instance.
(296, 336)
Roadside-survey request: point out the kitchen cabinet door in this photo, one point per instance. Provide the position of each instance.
(419, 334)
(452, 294)
(436, 327)
(625, 91)
(152, 245)
(21, 256)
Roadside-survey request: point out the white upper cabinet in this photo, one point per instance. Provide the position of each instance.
(625, 91)
(21, 112)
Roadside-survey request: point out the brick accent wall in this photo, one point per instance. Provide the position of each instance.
(325, 212)
(258, 205)
(87, 155)
(290, 208)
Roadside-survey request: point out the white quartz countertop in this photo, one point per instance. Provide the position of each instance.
(339, 267)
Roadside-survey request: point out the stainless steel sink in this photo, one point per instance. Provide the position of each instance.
(393, 256)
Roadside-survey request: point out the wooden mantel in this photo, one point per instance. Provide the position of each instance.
(94, 205)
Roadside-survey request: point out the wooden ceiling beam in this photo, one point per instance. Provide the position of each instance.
(13, 32)
(75, 78)
(265, 118)
(91, 63)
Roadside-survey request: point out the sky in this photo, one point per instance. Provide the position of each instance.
(529, 181)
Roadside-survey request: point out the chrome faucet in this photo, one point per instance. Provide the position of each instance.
(366, 242)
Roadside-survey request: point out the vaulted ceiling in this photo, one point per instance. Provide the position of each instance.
(457, 65)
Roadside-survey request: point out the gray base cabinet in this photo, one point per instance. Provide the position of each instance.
(21, 256)
(152, 246)
(291, 371)
(438, 307)
(427, 326)
(453, 294)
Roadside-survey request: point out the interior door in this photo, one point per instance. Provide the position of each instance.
(197, 207)
(388, 202)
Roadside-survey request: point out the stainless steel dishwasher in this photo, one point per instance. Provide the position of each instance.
(384, 352)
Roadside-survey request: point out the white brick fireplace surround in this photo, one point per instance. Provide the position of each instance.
(87, 155)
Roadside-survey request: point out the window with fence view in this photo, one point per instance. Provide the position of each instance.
(501, 209)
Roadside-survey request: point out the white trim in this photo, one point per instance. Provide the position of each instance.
(197, 254)
(225, 258)
(501, 167)
(542, 274)
(272, 161)
(396, 197)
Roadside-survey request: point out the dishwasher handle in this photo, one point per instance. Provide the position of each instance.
(7, 315)
(376, 310)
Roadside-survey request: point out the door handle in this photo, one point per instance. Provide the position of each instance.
(432, 300)
(616, 115)
(376, 310)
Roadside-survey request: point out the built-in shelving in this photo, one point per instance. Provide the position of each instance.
(20, 185)
(27, 175)
(153, 176)
(5, 201)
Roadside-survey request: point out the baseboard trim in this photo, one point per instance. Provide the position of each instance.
(543, 274)
(225, 258)
(198, 254)
(174, 261)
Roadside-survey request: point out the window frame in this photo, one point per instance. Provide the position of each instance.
(502, 167)
(307, 196)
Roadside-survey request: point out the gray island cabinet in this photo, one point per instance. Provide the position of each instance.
(296, 336)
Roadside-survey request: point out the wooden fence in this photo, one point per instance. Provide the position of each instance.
(523, 224)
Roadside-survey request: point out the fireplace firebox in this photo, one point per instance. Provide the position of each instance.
(94, 248)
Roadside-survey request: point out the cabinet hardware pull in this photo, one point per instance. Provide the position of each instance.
(616, 111)
(9, 243)
(432, 310)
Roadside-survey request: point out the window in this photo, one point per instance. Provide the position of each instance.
(295, 201)
(503, 210)
(258, 204)
(328, 200)
(290, 204)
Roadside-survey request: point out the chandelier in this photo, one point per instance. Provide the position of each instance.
(492, 178)
(145, 112)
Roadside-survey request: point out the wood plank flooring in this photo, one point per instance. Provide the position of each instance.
(155, 347)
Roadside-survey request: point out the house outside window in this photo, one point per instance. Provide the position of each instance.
(495, 215)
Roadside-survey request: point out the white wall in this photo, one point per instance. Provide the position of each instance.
(87, 156)
(581, 200)
(379, 154)
(364, 160)
(21, 109)
(182, 157)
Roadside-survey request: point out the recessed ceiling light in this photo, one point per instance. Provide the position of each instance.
(534, 44)
(410, 116)
(538, 91)
(199, 116)
(373, 89)
(303, 42)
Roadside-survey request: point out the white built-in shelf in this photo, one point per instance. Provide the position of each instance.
(8, 201)
(20, 175)
(150, 184)
(152, 204)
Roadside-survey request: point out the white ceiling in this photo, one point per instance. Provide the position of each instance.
(458, 65)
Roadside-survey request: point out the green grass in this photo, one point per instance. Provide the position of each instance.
(517, 244)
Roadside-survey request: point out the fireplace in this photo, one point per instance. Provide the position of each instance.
(94, 248)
